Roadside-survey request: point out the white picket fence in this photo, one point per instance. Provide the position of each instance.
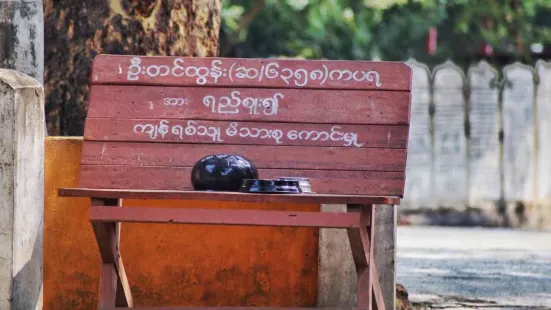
(479, 136)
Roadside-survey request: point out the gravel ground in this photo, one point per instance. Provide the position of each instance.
(466, 268)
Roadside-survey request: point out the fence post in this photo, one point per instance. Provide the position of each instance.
(484, 127)
(519, 128)
(540, 217)
(418, 189)
(21, 190)
(543, 108)
(450, 143)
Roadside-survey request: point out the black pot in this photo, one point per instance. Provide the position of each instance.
(222, 172)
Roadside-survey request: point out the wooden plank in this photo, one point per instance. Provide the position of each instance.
(263, 157)
(107, 286)
(361, 249)
(177, 178)
(377, 292)
(247, 104)
(108, 246)
(356, 237)
(254, 133)
(107, 236)
(235, 72)
(124, 294)
(225, 217)
(226, 196)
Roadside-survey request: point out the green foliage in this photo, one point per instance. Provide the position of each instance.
(383, 29)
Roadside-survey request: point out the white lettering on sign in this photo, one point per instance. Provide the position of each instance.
(192, 129)
(230, 104)
(175, 101)
(349, 138)
(261, 133)
(215, 133)
(272, 70)
(152, 130)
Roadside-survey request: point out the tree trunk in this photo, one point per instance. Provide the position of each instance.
(78, 30)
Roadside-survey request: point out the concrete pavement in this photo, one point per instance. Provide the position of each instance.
(460, 268)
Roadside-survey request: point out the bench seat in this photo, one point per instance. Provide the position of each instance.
(227, 196)
(226, 217)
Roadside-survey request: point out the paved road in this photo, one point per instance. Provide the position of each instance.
(509, 267)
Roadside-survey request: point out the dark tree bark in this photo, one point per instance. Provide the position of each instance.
(78, 30)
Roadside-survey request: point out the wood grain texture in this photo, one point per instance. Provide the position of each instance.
(357, 237)
(118, 292)
(220, 72)
(253, 133)
(377, 292)
(263, 157)
(175, 178)
(108, 238)
(225, 217)
(250, 104)
(226, 196)
(107, 286)
(360, 245)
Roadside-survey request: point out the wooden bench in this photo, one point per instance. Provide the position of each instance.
(343, 124)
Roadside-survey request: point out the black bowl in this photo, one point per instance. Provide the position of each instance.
(222, 172)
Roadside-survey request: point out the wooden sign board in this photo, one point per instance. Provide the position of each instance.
(342, 123)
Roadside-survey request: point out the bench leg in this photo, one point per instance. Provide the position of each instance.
(114, 288)
(107, 286)
(362, 241)
(373, 272)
